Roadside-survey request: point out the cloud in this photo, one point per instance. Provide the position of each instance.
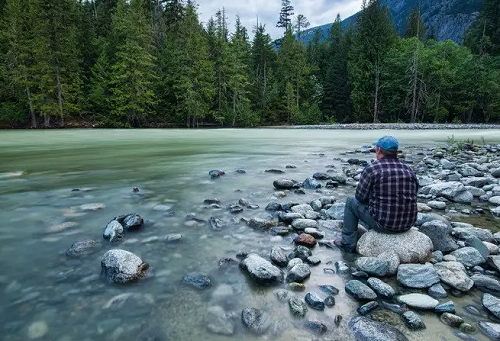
(318, 12)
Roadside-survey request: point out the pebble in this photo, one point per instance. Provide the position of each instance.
(451, 320)
(37, 330)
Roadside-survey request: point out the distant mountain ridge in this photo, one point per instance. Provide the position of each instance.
(449, 18)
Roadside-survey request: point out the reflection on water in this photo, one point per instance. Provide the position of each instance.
(45, 294)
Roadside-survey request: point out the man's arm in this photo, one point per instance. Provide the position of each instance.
(364, 186)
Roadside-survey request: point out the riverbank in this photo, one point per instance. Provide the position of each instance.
(391, 126)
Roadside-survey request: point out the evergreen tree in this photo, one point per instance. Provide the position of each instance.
(484, 36)
(286, 13)
(300, 23)
(415, 26)
(132, 73)
(374, 35)
(263, 58)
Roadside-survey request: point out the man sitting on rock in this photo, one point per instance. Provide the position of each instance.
(386, 196)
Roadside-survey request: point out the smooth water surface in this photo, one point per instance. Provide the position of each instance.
(39, 170)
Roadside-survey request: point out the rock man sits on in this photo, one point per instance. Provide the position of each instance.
(386, 196)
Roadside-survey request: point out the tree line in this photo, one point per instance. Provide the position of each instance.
(152, 63)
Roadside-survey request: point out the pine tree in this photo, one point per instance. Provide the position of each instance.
(132, 73)
(286, 13)
(415, 26)
(300, 23)
(484, 36)
(374, 35)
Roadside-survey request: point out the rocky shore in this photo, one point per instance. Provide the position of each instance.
(392, 126)
(396, 281)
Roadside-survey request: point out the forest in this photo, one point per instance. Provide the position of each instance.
(152, 63)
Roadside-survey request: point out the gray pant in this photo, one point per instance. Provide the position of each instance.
(353, 212)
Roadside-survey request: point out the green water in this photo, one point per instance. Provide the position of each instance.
(39, 169)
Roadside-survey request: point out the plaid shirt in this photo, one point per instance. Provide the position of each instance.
(389, 187)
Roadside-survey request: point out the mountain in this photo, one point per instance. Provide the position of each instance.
(448, 18)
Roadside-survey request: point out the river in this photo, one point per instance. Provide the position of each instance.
(46, 177)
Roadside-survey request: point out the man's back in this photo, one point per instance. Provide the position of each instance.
(390, 188)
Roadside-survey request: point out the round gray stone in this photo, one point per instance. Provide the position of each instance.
(417, 275)
(419, 301)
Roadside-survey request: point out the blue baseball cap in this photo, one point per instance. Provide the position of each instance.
(388, 143)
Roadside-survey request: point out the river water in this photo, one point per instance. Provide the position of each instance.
(46, 177)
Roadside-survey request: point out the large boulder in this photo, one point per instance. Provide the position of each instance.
(440, 234)
(468, 256)
(417, 275)
(453, 274)
(448, 190)
(261, 270)
(411, 246)
(365, 329)
(373, 266)
(120, 266)
(491, 303)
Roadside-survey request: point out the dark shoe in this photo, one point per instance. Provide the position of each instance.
(338, 243)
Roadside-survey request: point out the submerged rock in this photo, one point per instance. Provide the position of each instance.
(83, 248)
(120, 266)
(316, 327)
(297, 307)
(113, 231)
(220, 322)
(411, 246)
(412, 320)
(198, 280)
(255, 320)
(365, 329)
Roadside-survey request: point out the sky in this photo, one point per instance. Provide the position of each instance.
(318, 12)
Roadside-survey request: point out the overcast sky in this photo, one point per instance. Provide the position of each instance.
(318, 12)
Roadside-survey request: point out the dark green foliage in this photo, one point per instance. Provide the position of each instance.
(136, 63)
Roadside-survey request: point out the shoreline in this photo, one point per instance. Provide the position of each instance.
(390, 126)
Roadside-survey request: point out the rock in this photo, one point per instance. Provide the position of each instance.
(477, 181)
(83, 248)
(311, 183)
(299, 273)
(449, 258)
(381, 288)
(305, 240)
(301, 252)
(296, 286)
(293, 262)
(411, 246)
(448, 190)
(329, 301)
(304, 209)
(278, 256)
(468, 256)
(495, 211)
(120, 266)
(438, 256)
(283, 295)
(313, 260)
(329, 289)
(273, 206)
(297, 307)
(316, 327)
(260, 224)
(421, 207)
(437, 291)
(216, 173)
(453, 274)
(451, 320)
(336, 211)
(211, 201)
(468, 329)
(131, 222)
(492, 249)
(412, 320)
(198, 280)
(437, 205)
(173, 237)
(321, 176)
(393, 260)
(314, 301)
(495, 173)
(365, 329)
(490, 329)
(494, 200)
(423, 218)
(217, 224)
(113, 231)
(491, 303)
(261, 270)
(315, 233)
(440, 234)
(274, 171)
(288, 218)
(477, 244)
(373, 266)
(368, 307)
(342, 267)
(220, 322)
(447, 307)
(282, 184)
(494, 262)
(339, 177)
(37, 330)
(360, 275)
(483, 234)
(255, 320)
(417, 275)
(235, 209)
(302, 224)
(359, 291)
(92, 207)
(419, 301)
